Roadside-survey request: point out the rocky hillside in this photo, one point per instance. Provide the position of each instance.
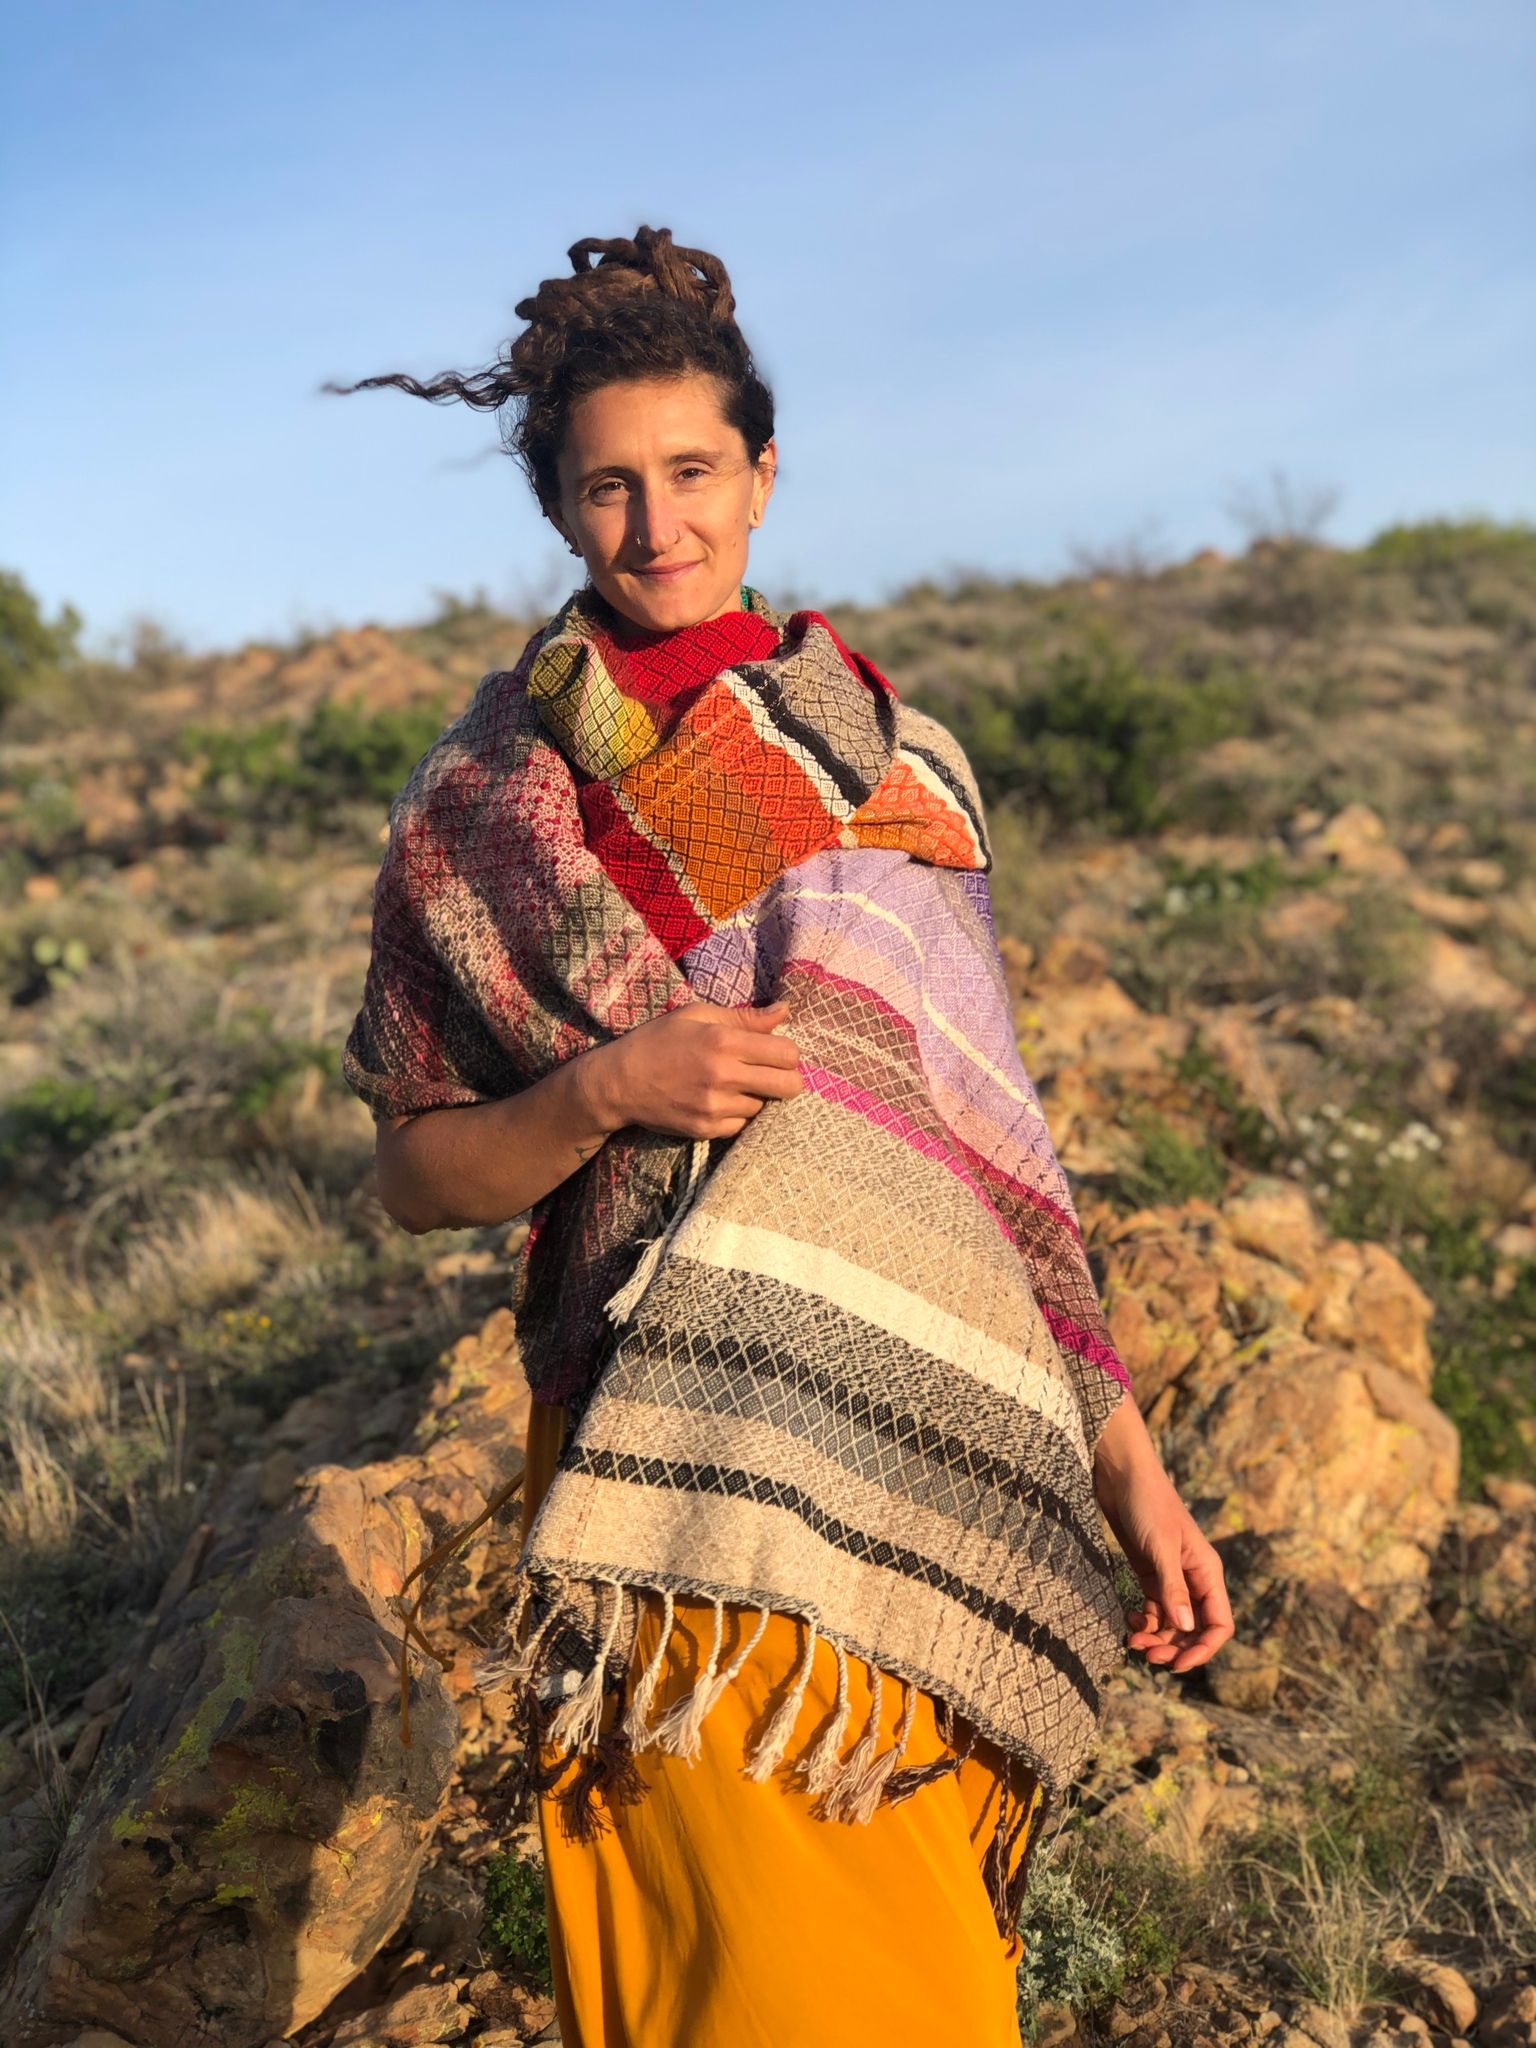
(1266, 870)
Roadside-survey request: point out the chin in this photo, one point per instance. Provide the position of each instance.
(667, 608)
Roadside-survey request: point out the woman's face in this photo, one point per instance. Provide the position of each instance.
(659, 495)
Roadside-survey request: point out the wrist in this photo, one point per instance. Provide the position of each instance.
(1124, 1443)
(595, 1094)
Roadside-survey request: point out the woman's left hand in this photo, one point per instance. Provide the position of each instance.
(1186, 1616)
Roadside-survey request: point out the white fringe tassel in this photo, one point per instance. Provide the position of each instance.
(774, 1740)
(678, 1730)
(635, 1731)
(577, 1720)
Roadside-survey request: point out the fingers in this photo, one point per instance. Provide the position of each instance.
(1168, 1645)
(762, 1016)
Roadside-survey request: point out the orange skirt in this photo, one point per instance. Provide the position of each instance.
(716, 1912)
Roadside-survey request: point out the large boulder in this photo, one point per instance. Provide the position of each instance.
(253, 1827)
(1286, 1377)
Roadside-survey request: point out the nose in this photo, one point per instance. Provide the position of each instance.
(654, 524)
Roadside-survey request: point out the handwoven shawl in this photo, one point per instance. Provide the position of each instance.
(850, 1364)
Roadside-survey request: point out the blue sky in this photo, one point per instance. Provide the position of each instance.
(1025, 278)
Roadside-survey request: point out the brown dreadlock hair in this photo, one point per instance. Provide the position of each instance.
(646, 308)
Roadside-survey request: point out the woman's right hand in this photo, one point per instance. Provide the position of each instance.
(702, 1071)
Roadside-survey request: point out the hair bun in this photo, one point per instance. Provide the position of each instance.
(652, 262)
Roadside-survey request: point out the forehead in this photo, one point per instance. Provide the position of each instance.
(647, 420)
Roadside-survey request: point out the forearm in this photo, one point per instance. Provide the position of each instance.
(1124, 1448)
(451, 1169)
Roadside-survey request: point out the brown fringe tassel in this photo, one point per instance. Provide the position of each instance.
(608, 1769)
(902, 1784)
(1005, 1891)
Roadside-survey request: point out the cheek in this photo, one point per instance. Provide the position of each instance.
(731, 524)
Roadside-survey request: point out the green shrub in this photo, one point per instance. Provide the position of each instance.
(514, 1915)
(286, 767)
(63, 1116)
(1096, 1920)
(1094, 739)
(1381, 944)
(32, 647)
(1170, 1167)
(1072, 1956)
(1440, 548)
(1236, 1127)
(1485, 1366)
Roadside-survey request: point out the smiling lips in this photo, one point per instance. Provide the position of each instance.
(681, 569)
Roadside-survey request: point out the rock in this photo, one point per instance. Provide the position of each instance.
(1459, 977)
(1509, 2016)
(1471, 1779)
(1489, 875)
(1303, 921)
(1274, 1218)
(27, 1841)
(1454, 2000)
(1322, 2026)
(419, 2017)
(279, 1476)
(1515, 1496)
(1515, 1241)
(252, 1830)
(1290, 1398)
(1365, 1299)
(1441, 906)
(1355, 841)
(1055, 2025)
(1074, 1013)
(1245, 1675)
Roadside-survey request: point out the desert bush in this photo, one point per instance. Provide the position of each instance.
(1380, 945)
(1292, 589)
(1169, 1166)
(1199, 937)
(1093, 739)
(285, 768)
(1473, 570)
(33, 648)
(154, 1078)
(1101, 1910)
(515, 1916)
(1485, 1366)
(47, 816)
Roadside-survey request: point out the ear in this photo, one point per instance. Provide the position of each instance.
(553, 515)
(762, 485)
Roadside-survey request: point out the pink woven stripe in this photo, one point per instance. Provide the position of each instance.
(1073, 1337)
(1029, 1197)
(833, 1088)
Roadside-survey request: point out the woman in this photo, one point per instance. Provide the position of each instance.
(686, 920)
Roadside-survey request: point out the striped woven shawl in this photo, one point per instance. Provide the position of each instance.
(850, 1364)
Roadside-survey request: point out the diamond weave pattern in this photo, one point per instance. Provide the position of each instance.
(865, 1378)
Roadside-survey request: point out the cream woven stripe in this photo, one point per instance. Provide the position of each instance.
(747, 1444)
(913, 1319)
(941, 792)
